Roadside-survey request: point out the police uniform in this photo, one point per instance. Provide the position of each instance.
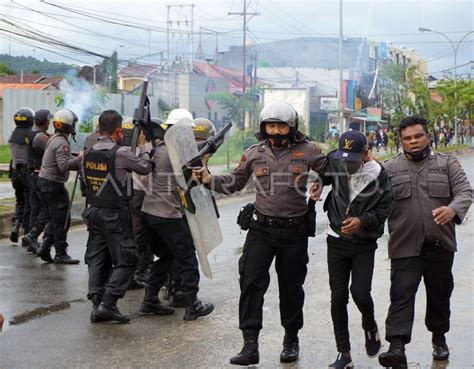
(278, 228)
(54, 173)
(418, 247)
(18, 173)
(140, 187)
(37, 142)
(171, 241)
(111, 253)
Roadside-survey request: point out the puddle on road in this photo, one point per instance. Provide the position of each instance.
(42, 312)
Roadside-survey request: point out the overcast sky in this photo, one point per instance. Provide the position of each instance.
(381, 20)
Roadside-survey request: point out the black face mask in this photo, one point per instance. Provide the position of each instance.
(279, 140)
(352, 166)
(417, 155)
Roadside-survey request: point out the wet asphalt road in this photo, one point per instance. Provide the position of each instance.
(48, 303)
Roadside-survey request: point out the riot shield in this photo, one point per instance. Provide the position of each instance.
(201, 216)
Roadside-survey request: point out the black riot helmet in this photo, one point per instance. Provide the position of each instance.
(25, 117)
(155, 130)
(279, 112)
(64, 121)
(127, 132)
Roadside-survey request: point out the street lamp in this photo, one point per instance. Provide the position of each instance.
(455, 49)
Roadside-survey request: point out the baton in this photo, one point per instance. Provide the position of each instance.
(70, 202)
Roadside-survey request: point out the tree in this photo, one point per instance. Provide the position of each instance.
(113, 73)
(236, 103)
(5, 70)
(395, 91)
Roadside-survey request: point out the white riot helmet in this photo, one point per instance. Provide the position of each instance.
(279, 112)
(176, 115)
(64, 121)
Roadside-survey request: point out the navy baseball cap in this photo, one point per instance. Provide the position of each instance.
(352, 145)
(42, 116)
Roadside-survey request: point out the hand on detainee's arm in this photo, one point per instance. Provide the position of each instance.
(316, 190)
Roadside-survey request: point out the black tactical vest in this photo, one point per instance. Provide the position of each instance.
(19, 135)
(34, 156)
(103, 190)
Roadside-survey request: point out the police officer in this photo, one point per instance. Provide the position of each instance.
(171, 238)
(24, 119)
(37, 140)
(140, 187)
(203, 129)
(432, 194)
(358, 205)
(56, 164)
(278, 228)
(111, 253)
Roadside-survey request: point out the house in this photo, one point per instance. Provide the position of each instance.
(31, 79)
(132, 76)
(25, 88)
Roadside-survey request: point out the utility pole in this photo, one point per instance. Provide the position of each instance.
(191, 33)
(341, 106)
(244, 13)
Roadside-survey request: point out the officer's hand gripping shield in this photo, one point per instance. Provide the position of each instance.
(201, 214)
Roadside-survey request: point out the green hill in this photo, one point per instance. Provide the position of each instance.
(31, 65)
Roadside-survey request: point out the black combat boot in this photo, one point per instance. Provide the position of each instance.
(178, 300)
(111, 312)
(31, 242)
(195, 307)
(44, 252)
(249, 353)
(135, 284)
(95, 305)
(15, 230)
(395, 356)
(291, 348)
(62, 257)
(152, 305)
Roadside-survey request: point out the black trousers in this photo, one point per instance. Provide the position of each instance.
(350, 261)
(39, 209)
(56, 198)
(141, 233)
(19, 177)
(111, 255)
(434, 265)
(172, 242)
(289, 246)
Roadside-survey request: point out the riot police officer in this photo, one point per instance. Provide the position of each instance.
(278, 225)
(171, 238)
(203, 129)
(140, 187)
(37, 140)
(24, 120)
(56, 164)
(112, 252)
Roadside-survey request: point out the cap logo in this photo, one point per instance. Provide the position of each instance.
(348, 144)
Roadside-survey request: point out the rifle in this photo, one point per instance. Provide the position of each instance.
(210, 146)
(141, 117)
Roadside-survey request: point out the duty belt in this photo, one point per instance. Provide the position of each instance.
(280, 222)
